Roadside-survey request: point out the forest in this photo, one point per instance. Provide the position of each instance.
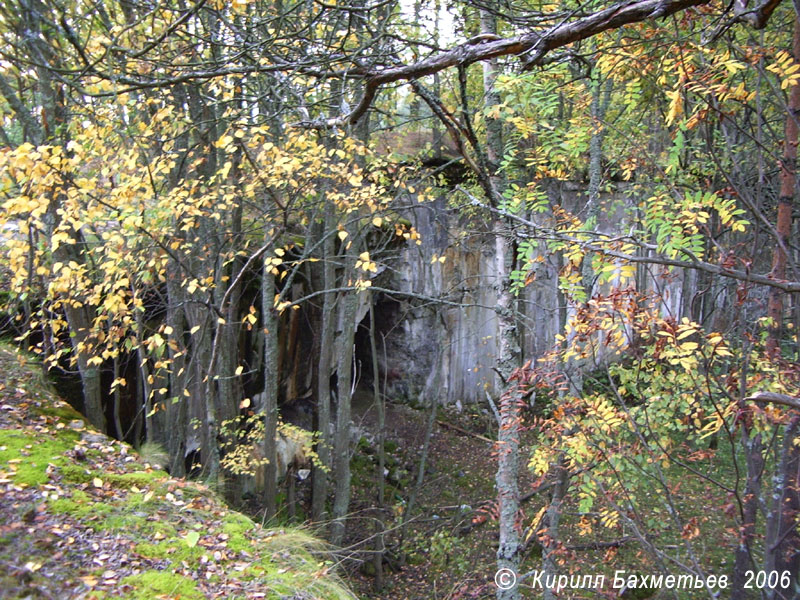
(498, 298)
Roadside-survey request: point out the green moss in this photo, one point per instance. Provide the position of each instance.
(76, 474)
(137, 479)
(60, 410)
(197, 490)
(283, 563)
(238, 520)
(235, 525)
(78, 510)
(80, 505)
(175, 550)
(137, 501)
(132, 523)
(140, 479)
(33, 454)
(152, 584)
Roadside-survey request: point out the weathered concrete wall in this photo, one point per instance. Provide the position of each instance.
(459, 336)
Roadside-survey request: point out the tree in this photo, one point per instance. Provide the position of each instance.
(188, 180)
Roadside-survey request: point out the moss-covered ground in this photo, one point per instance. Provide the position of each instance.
(82, 517)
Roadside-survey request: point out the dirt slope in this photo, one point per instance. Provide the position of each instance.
(82, 517)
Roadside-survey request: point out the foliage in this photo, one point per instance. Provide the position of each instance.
(245, 437)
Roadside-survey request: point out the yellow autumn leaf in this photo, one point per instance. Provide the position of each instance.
(675, 106)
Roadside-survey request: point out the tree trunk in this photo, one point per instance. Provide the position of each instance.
(379, 476)
(782, 542)
(507, 346)
(208, 390)
(270, 391)
(177, 408)
(325, 362)
(117, 402)
(783, 224)
(743, 560)
(80, 327)
(344, 371)
(550, 533)
(146, 404)
(508, 491)
(54, 131)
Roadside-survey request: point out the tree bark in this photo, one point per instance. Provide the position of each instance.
(344, 371)
(54, 131)
(783, 224)
(324, 366)
(177, 405)
(551, 542)
(380, 479)
(271, 375)
(743, 560)
(507, 343)
(782, 542)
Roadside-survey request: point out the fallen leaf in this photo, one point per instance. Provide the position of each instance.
(192, 538)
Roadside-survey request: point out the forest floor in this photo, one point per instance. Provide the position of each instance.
(449, 549)
(81, 516)
(458, 479)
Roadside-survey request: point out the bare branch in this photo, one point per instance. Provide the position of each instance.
(774, 398)
(790, 287)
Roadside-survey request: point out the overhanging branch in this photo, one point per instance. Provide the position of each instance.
(530, 47)
(774, 398)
